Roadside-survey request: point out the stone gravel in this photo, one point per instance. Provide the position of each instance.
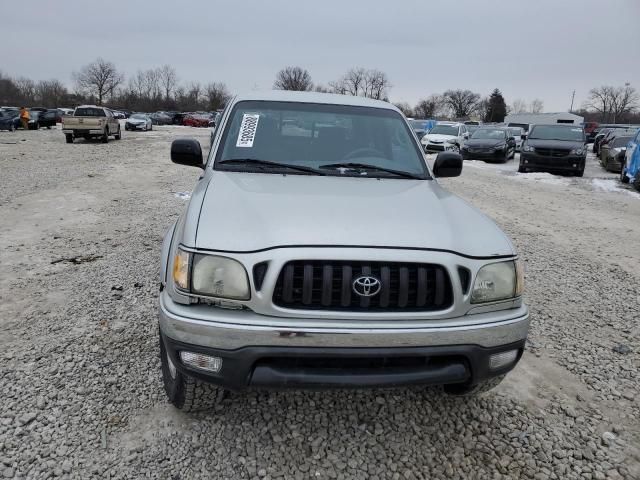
(80, 375)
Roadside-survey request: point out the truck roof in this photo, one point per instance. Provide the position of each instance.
(313, 97)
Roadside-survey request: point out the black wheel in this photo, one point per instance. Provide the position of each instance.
(636, 181)
(68, 137)
(580, 173)
(623, 177)
(469, 391)
(11, 127)
(151, 127)
(105, 136)
(505, 158)
(184, 392)
(521, 169)
(48, 127)
(118, 135)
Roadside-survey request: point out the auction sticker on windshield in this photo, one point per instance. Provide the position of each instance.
(248, 129)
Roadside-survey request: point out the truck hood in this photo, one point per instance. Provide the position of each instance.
(244, 212)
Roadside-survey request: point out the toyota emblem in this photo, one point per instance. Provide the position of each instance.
(366, 286)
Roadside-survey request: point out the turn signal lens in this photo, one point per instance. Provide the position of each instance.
(181, 269)
(519, 278)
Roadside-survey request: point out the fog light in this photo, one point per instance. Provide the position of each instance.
(502, 359)
(526, 161)
(201, 362)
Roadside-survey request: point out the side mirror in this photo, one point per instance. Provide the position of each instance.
(447, 164)
(187, 151)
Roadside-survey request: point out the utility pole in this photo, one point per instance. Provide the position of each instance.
(573, 95)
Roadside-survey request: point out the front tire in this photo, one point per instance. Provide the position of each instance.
(521, 169)
(623, 177)
(471, 391)
(186, 393)
(105, 136)
(580, 173)
(636, 181)
(69, 138)
(118, 135)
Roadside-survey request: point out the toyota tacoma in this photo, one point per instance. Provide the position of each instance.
(318, 250)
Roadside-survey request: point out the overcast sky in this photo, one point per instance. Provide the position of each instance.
(528, 49)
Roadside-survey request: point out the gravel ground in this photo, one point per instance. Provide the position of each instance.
(80, 377)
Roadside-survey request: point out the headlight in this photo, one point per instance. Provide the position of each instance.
(577, 151)
(451, 140)
(498, 281)
(211, 276)
(527, 148)
(502, 146)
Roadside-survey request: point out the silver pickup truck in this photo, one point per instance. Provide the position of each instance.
(90, 121)
(318, 250)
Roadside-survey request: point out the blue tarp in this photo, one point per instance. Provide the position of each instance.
(633, 169)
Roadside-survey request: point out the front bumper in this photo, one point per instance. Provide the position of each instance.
(438, 147)
(483, 155)
(569, 163)
(131, 126)
(255, 354)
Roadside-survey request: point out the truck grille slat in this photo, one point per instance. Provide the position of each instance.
(329, 285)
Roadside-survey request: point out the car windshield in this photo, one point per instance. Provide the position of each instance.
(89, 112)
(139, 116)
(315, 136)
(488, 133)
(515, 132)
(556, 132)
(445, 130)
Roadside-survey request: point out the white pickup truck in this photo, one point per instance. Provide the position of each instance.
(89, 121)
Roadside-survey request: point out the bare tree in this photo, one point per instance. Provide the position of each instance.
(600, 100)
(430, 107)
(293, 78)
(217, 95)
(461, 102)
(26, 88)
(376, 84)
(537, 106)
(50, 93)
(168, 80)
(99, 78)
(405, 108)
(518, 106)
(624, 100)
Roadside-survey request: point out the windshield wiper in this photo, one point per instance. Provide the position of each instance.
(269, 164)
(365, 166)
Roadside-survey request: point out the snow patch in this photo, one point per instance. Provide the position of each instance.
(505, 167)
(543, 177)
(612, 185)
(182, 195)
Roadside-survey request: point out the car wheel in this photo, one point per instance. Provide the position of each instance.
(69, 137)
(580, 173)
(469, 391)
(521, 169)
(186, 393)
(118, 135)
(11, 127)
(636, 181)
(151, 127)
(623, 176)
(105, 136)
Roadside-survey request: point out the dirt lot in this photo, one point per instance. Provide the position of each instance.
(81, 393)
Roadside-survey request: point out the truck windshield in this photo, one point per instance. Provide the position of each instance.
(554, 132)
(89, 112)
(339, 139)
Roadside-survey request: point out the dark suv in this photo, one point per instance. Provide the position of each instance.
(554, 148)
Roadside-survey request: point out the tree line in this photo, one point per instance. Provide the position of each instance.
(101, 83)
(160, 88)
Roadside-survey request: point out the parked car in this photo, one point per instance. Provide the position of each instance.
(139, 121)
(605, 132)
(90, 121)
(554, 148)
(518, 135)
(34, 119)
(161, 118)
(490, 143)
(612, 154)
(197, 120)
(263, 274)
(7, 122)
(14, 115)
(48, 118)
(610, 136)
(630, 171)
(445, 136)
